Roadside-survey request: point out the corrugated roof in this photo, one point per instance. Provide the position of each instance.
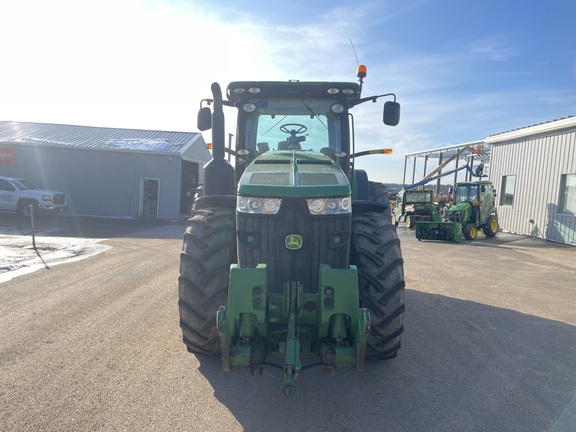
(540, 128)
(96, 138)
(537, 124)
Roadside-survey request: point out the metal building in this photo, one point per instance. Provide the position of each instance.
(107, 171)
(534, 172)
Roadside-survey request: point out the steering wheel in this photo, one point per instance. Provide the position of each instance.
(293, 141)
(300, 128)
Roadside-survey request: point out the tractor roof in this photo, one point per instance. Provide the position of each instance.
(246, 90)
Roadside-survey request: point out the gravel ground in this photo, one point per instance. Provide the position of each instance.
(95, 345)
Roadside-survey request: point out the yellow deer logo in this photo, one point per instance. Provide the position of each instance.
(293, 241)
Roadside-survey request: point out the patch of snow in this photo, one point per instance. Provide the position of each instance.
(18, 256)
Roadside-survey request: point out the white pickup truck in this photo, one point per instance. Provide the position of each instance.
(18, 194)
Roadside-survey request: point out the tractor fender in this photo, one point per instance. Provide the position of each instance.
(361, 188)
(363, 200)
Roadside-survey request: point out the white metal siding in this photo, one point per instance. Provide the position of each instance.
(538, 163)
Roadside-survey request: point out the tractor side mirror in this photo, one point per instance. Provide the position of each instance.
(204, 119)
(391, 113)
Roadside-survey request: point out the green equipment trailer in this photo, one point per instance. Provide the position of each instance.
(290, 259)
(473, 209)
(413, 205)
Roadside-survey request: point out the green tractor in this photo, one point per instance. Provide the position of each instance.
(290, 259)
(473, 209)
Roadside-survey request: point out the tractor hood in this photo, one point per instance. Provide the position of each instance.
(459, 207)
(460, 212)
(293, 173)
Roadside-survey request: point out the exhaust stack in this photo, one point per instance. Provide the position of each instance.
(219, 178)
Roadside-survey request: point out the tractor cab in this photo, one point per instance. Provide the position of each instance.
(480, 196)
(279, 117)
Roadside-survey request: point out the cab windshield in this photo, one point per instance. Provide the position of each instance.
(419, 197)
(294, 124)
(466, 193)
(24, 184)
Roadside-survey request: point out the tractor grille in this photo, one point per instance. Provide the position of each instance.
(262, 240)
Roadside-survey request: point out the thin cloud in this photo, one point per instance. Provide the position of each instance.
(493, 48)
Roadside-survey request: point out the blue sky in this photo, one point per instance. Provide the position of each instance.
(461, 70)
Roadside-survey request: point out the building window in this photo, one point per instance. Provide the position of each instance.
(508, 187)
(568, 194)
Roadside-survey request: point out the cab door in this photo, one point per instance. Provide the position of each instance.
(486, 201)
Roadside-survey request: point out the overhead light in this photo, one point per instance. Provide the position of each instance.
(337, 108)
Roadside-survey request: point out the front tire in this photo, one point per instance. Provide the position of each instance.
(207, 252)
(26, 207)
(410, 221)
(377, 255)
(470, 232)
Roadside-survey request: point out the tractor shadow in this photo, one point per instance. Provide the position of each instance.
(463, 366)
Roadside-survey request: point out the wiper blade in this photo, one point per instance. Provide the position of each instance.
(314, 115)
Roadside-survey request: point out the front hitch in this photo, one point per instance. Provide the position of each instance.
(326, 328)
(292, 364)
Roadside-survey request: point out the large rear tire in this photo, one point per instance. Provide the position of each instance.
(208, 250)
(377, 255)
(378, 192)
(491, 227)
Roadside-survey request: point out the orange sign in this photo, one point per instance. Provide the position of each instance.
(7, 156)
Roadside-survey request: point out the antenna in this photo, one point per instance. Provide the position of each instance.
(354, 49)
(361, 71)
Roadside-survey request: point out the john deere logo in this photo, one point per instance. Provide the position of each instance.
(293, 241)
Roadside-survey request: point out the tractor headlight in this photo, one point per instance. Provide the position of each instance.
(329, 206)
(254, 205)
(337, 108)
